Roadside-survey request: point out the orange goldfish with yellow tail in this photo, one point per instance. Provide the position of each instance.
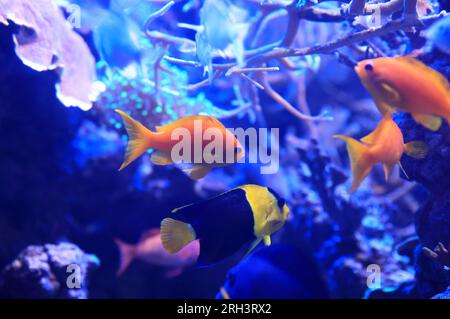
(384, 146)
(202, 130)
(404, 84)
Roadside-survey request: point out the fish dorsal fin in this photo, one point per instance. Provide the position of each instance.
(442, 80)
(206, 120)
(180, 208)
(175, 124)
(169, 126)
(374, 136)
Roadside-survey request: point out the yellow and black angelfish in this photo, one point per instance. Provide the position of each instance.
(225, 223)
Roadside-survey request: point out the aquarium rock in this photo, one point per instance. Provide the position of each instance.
(48, 271)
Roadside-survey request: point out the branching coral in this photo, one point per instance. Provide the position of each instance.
(279, 52)
(346, 234)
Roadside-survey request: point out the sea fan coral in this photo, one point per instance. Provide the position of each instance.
(46, 41)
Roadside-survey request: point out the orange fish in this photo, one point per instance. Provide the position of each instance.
(406, 84)
(384, 145)
(150, 250)
(203, 131)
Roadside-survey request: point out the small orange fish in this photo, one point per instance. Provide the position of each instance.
(202, 155)
(150, 250)
(384, 145)
(406, 84)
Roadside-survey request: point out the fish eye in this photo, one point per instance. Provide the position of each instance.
(368, 67)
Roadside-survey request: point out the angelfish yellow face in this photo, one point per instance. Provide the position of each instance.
(277, 219)
(269, 210)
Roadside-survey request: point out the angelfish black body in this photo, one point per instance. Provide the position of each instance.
(223, 224)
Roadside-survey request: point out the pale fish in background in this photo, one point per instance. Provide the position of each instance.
(149, 249)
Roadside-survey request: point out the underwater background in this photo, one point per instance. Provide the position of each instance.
(65, 67)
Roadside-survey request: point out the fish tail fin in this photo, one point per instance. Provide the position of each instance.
(127, 254)
(360, 164)
(140, 139)
(175, 235)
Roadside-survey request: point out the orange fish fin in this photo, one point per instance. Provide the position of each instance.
(198, 171)
(388, 168)
(127, 254)
(161, 158)
(360, 165)
(384, 108)
(416, 149)
(376, 133)
(403, 170)
(431, 122)
(175, 235)
(224, 293)
(139, 139)
(391, 94)
(437, 76)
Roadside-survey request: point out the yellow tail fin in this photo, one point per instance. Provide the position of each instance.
(140, 139)
(360, 164)
(175, 235)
